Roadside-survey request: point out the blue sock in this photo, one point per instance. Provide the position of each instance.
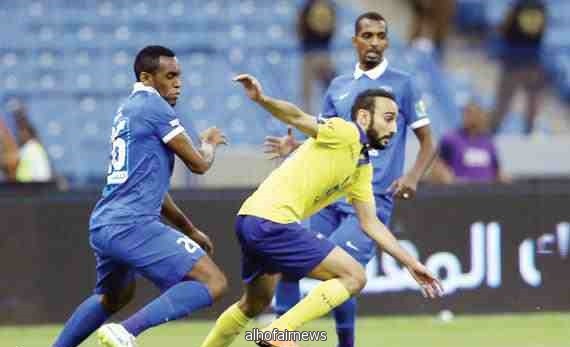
(89, 316)
(178, 301)
(345, 316)
(287, 295)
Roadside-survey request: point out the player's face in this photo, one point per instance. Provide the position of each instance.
(167, 79)
(370, 42)
(383, 125)
(475, 118)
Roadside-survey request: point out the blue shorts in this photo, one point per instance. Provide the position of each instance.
(340, 224)
(268, 247)
(158, 252)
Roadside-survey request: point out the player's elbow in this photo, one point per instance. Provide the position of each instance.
(198, 168)
(368, 226)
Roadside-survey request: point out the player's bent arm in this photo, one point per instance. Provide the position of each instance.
(198, 161)
(426, 153)
(174, 215)
(290, 114)
(376, 230)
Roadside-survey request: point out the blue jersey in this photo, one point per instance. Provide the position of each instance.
(140, 163)
(389, 163)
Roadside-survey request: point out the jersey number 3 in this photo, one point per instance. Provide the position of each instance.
(118, 169)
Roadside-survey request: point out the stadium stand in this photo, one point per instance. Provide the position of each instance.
(71, 62)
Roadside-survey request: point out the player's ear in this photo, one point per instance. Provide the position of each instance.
(146, 78)
(363, 118)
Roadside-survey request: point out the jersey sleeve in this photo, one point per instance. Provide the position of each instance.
(164, 122)
(335, 132)
(328, 110)
(361, 189)
(414, 108)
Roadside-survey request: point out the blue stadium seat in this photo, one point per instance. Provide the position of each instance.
(73, 63)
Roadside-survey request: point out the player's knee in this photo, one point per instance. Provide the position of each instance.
(113, 302)
(355, 280)
(252, 306)
(217, 285)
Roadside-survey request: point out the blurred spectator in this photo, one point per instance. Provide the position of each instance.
(24, 160)
(316, 27)
(521, 37)
(431, 23)
(468, 154)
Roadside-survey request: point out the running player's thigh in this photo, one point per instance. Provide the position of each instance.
(113, 276)
(160, 253)
(337, 264)
(325, 221)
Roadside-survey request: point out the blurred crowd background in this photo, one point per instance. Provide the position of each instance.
(495, 76)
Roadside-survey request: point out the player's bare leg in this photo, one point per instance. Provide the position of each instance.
(340, 265)
(114, 301)
(343, 277)
(204, 284)
(257, 296)
(208, 273)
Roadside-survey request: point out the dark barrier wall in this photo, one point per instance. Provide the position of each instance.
(496, 248)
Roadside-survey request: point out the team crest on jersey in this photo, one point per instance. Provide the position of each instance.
(421, 109)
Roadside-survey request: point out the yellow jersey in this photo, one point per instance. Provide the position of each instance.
(322, 170)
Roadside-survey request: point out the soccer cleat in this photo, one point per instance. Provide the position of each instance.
(115, 335)
(263, 343)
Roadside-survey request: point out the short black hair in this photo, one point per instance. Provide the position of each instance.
(375, 16)
(365, 101)
(148, 59)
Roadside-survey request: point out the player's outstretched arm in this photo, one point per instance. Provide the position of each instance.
(366, 212)
(198, 160)
(174, 215)
(281, 147)
(280, 109)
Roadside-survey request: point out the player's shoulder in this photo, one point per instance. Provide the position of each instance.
(399, 74)
(341, 80)
(343, 128)
(150, 104)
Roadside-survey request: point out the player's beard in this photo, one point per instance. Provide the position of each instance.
(374, 138)
(375, 141)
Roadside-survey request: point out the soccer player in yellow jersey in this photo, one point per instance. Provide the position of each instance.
(333, 163)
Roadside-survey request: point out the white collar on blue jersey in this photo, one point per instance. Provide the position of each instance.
(137, 87)
(372, 74)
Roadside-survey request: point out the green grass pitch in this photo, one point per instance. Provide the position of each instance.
(531, 330)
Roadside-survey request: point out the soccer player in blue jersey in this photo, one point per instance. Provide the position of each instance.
(339, 221)
(125, 230)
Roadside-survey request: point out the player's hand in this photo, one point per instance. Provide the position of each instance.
(251, 85)
(430, 285)
(203, 240)
(404, 187)
(214, 136)
(280, 147)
